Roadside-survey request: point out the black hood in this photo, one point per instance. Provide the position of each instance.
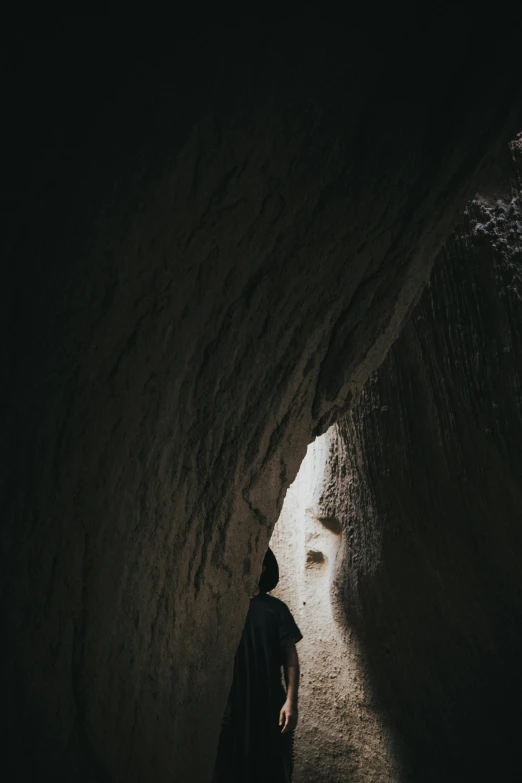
(270, 576)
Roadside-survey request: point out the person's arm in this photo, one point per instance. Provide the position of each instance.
(288, 714)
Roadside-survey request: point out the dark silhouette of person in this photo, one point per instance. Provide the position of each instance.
(256, 740)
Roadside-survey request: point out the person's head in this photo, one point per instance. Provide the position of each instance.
(269, 574)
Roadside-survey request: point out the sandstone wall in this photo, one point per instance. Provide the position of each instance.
(341, 734)
(214, 235)
(429, 495)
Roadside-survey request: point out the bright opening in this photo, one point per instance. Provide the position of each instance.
(339, 733)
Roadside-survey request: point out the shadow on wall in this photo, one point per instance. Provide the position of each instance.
(340, 735)
(429, 494)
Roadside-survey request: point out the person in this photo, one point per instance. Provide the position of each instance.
(256, 740)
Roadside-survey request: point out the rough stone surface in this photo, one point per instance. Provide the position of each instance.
(429, 495)
(211, 242)
(341, 734)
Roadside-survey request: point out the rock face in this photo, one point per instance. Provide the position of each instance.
(341, 734)
(428, 490)
(212, 242)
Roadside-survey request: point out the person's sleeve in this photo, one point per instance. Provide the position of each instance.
(289, 633)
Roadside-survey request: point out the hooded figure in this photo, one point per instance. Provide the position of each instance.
(256, 740)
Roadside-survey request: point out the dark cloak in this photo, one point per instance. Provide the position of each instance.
(251, 747)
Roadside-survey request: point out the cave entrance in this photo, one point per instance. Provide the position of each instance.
(339, 734)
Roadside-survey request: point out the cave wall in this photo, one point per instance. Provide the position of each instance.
(430, 502)
(214, 235)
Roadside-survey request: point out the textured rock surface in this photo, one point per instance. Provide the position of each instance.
(211, 243)
(430, 502)
(341, 734)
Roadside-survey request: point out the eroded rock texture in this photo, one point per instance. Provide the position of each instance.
(213, 238)
(342, 734)
(429, 491)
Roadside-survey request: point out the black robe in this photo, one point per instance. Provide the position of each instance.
(251, 747)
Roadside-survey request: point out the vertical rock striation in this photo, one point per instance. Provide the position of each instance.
(431, 504)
